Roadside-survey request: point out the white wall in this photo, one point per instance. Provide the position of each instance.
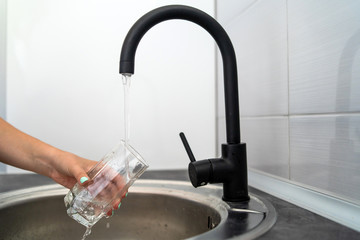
(299, 91)
(2, 57)
(2, 66)
(63, 85)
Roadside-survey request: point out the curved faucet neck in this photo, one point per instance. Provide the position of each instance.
(138, 30)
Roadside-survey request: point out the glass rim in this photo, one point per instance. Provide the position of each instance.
(134, 152)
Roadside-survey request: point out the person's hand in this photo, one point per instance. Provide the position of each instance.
(24, 151)
(107, 185)
(69, 169)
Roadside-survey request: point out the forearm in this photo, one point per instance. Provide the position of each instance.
(21, 150)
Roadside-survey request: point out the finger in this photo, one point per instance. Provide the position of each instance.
(81, 177)
(115, 188)
(116, 204)
(121, 189)
(109, 192)
(120, 183)
(106, 190)
(126, 192)
(110, 213)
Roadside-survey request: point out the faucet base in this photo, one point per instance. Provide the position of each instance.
(235, 177)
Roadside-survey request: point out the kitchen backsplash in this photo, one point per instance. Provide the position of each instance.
(299, 86)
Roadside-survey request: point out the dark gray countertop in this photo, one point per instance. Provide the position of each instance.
(292, 222)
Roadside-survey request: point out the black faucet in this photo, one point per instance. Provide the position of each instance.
(231, 168)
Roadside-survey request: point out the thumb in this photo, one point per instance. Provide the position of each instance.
(81, 177)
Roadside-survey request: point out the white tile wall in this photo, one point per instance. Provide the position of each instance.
(325, 153)
(267, 141)
(324, 43)
(229, 9)
(259, 38)
(299, 90)
(262, 76)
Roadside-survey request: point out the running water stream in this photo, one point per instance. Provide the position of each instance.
(126, 82)
(87, 233)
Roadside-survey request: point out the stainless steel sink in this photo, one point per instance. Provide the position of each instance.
(154, 209)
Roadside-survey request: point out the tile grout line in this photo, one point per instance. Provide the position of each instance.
(327, 114)
(288, 87)
(216, 72)
(237, 14)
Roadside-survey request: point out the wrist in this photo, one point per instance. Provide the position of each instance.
(47, 159)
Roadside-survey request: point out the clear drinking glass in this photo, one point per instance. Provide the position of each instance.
(110, 178)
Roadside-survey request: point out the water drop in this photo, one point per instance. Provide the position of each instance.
(87, 233)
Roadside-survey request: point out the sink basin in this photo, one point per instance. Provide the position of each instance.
(154, 209)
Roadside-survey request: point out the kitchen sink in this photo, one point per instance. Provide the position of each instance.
(154, 209)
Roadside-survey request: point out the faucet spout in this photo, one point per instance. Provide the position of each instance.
(127, 58)
(230, 163)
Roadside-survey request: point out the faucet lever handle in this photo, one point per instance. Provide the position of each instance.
(187, 147)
